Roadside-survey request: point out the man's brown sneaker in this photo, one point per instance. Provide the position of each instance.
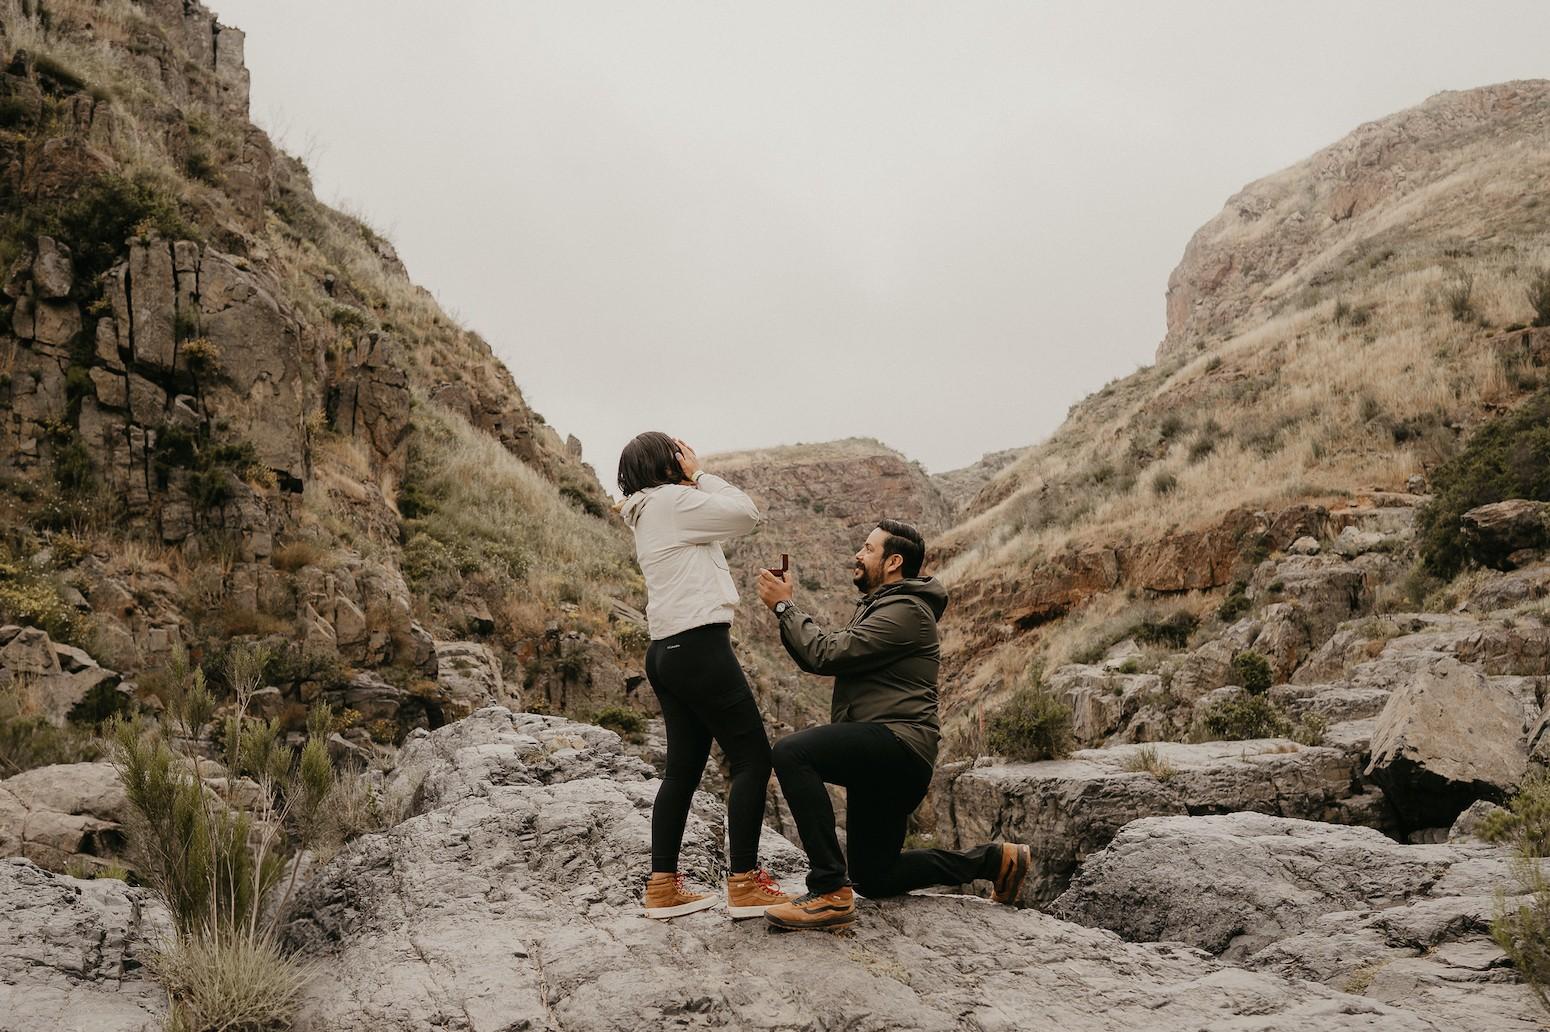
(749, 894)
(832, 910)
(1015, 861)
(666, 896)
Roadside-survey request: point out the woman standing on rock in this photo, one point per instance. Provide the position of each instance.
(680, 514)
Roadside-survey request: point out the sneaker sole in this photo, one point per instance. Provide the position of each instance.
(663, 913)
(738, 913)
(1015, 879)
(828, 924)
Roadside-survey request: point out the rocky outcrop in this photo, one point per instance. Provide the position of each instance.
(64, 816)
(56, 678)
(509, 902)
(1506, 534)
(1347, 907)
(73, 953)
(1447, 737)
(1068, 809)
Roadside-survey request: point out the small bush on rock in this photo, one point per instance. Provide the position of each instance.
(623, 721)
(215, 851)
(1523, 931)
(1033, 725)
(1251, 671)
(1244, 717)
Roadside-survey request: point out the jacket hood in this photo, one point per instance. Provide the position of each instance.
(927, 589)
(631, 507)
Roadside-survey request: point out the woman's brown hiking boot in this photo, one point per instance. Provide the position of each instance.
(1015, 861)
(749, 894)
(666, 896)
(830, 911)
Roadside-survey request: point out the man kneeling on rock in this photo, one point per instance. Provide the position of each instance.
(881, 743)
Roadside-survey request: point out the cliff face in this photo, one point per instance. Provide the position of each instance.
(227, 410)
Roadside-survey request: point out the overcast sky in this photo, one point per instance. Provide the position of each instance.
(937, 224)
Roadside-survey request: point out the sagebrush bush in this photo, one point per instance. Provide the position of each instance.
(216, 855)
(1251, 671)
(1243, 717)
(1032, 725)
(1522, 929)
(625, 722)
(1508, 457)
(232, 981)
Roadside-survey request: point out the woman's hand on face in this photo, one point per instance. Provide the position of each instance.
(687, 460)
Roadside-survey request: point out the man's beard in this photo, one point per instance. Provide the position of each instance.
(863, 579)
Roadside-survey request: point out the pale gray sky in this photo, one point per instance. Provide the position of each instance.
(938, 224)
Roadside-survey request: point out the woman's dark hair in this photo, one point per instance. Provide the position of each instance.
(649, 461)
(905, 542)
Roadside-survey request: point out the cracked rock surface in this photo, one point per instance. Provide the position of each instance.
(1348, 907)
(72, 953)
(509, 901)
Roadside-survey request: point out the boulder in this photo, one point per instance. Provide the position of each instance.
(1347, 907)
(510, 900)
(57, 678)
(1101, 700)
(64, 815)
(469, 676)
(1067, 809)
(1446, 738)
(1492, 533)
(73, 953)
(52, 272)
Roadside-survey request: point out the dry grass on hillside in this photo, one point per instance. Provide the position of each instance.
(1313, 404)
(473, 511)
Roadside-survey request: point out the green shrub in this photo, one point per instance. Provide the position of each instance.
(1525, 823)
(1235, 605)
(625, 722)
(100, 215)
(1251, 672)
(1523, 931)
(1164, 483)
(1508, 457)
(1538, 292)
(1246, 716)
(1032, 725)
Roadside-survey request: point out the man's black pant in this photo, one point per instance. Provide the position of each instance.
(884, 783)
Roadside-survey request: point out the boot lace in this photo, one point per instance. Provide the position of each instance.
(767, 885)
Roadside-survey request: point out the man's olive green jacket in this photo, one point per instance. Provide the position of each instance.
(884, 662)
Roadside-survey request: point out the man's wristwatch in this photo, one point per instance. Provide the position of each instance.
(781, 606)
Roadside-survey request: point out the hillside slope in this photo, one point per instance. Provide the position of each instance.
(1332, 334)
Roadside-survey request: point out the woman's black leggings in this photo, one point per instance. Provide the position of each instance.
(705, 696)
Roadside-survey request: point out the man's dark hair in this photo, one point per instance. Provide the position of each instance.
(905, 542)
(649, 461)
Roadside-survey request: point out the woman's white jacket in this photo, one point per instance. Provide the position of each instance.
(678, 535)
